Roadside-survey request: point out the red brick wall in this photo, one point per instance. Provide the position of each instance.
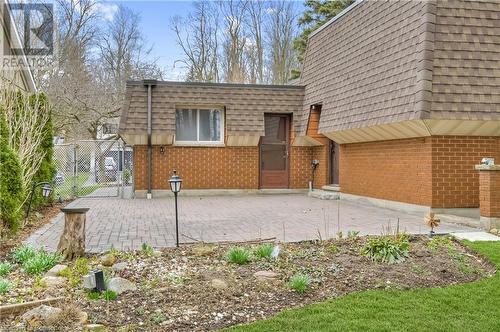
(200, 167)
(300, 166)
(435, 171)
(489, 193)
(215, 167)
(455, 182)
(398, 170)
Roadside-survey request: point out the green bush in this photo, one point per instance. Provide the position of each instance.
(23, 253)
(75, 273)
(5, 268)
(109, 295)
(4, 286)
(299, 282)
(40, 262)
(238, 256)
(264, 251)
(11, 187)
(440, 242)
(93, 295)
(47, 170)
(387, 249)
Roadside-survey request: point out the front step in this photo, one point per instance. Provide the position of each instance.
(323, 194)
(331, 187)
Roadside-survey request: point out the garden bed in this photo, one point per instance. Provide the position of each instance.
(197, 288)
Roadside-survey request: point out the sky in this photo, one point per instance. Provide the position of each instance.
(155, 25)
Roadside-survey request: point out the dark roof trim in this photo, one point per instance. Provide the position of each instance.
(228, 85)
(336, 17)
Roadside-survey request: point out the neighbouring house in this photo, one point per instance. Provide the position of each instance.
(11, 52)
(397, 101)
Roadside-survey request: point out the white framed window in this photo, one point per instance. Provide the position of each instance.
(199, 125)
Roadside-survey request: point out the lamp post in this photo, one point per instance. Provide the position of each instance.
(175, 185)
(46, 190)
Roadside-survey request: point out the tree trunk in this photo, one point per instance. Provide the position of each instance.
(72, 242)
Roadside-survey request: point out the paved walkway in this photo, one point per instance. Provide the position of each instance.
(127, 223)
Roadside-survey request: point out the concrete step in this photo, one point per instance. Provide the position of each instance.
(323, 194)
(331, 187)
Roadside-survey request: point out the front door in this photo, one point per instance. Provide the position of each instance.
(334, 162)
(274, 151)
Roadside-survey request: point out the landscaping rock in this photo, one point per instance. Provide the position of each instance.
(41, 315)
(82, 317)
(203, 250)
(263, 275)
(94, 327)
(54, 272)
(119, 266)
(108, 260)
(121, 285)
(494, 231)
(54, 282)
(219, 284)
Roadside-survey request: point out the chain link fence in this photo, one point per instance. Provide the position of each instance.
(93, 168)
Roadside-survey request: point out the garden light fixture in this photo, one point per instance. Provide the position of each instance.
(175, 185)
(46, 191)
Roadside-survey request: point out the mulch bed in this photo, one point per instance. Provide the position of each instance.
(38, 218)
(176, 290)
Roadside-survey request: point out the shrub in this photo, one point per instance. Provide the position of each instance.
(299, 282)
(4, 286)
(264, 251)
(11, 186)
(5, 268)
(238, 256)
(41, 262)
(387, 249)
(147, 250)
(23, 253)
(109, 295)
(93, 295)
(75, 273)
(333, 248)
(47, 170)
(352, 234)
(440, 242)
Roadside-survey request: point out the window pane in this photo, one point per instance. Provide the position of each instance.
(210, 123)
(185, 125)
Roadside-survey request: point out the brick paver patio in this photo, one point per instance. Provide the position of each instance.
(127, 223)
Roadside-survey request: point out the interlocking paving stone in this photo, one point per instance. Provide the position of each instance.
(127, 223)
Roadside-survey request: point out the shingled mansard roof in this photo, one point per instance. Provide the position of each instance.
(244, 105)
(380, 69)
(395, 69)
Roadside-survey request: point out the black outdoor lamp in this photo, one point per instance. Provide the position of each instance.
(175, 185)
(46, 190)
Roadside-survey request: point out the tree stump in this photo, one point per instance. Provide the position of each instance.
(72, 242)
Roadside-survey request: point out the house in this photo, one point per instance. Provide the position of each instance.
(11, 51)
(397, 101)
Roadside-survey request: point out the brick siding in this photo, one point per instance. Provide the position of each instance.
(435, 171)
(489, 194)
(455, 182)
(217, 167)
(397, 170)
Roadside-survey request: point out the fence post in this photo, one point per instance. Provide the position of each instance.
(74, 190)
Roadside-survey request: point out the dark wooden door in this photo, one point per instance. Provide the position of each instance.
(274, 151)
(334, 163)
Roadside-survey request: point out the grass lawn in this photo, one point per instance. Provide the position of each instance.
(468, 307)
(66, 188)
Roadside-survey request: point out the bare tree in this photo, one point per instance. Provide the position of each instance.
(281, 32)
(234, 12)
(255, 51)
(198, 39)
(87, 86)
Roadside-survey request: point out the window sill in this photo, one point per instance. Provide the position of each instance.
(200, 144)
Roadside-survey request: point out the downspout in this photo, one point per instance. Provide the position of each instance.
(150, 84)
